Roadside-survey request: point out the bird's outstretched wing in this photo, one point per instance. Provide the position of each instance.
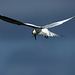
(57, 23)
(13, 21)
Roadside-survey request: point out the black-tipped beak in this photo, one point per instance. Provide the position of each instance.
(35, 37)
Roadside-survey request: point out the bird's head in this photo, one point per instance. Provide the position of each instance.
(34, 32)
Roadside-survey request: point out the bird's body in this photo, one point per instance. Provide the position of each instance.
(43, 32)
(38, 30)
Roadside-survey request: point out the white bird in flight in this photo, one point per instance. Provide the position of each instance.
(38, 30)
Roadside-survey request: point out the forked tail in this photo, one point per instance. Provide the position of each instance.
(54, 34)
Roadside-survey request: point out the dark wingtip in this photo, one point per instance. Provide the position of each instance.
(0, 16)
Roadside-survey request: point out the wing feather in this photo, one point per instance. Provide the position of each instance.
(57, 23)
(13, 21)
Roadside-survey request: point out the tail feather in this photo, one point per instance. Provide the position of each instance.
(54, 34)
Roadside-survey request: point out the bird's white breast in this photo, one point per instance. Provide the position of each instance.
(44, 32)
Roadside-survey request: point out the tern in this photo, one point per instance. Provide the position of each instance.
(38, 30)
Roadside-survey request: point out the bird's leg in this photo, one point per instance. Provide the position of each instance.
(46, 37)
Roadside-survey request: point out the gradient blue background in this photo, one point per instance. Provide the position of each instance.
(20, 54)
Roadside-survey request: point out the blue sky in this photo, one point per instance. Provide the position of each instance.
(20, 54)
